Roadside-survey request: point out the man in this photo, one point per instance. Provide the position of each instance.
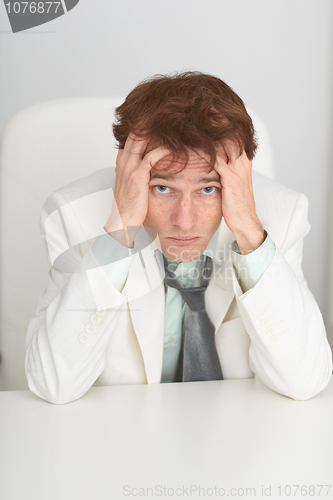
(195, 273)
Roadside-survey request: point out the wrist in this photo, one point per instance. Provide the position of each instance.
(251, 239)
(124, 236)
(121, 231)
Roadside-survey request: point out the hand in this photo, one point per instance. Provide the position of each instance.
(130, 203)
(238, 206)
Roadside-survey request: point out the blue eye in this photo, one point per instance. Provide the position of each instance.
(161, 189)
(208, 190)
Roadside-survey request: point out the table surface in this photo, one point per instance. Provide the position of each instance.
(232, 438)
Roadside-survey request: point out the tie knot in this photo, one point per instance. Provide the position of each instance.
(194, 296)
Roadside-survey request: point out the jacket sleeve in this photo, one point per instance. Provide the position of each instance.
(289, 351)
(76, 314)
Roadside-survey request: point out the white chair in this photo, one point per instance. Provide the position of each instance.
(44, 147)
(263, 161)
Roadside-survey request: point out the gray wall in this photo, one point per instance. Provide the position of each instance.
(277, 54)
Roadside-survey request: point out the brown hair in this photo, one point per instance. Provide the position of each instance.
(185, 111)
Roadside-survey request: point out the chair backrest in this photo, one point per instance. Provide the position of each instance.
(263, 161)
(44, 147)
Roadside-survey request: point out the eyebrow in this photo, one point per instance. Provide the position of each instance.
(170, 177)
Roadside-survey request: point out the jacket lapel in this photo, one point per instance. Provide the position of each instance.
(220, 292)
(146, 298)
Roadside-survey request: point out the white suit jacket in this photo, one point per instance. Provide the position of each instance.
(274, 331)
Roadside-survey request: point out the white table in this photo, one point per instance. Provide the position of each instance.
(224, 434)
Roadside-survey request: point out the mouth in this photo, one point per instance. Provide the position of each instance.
(184, 241)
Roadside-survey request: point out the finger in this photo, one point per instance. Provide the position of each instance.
(153, 157)
(244, 156)
(222, 163)
(133, 150)
(241, 163)
(231, 149)
(222, 168)
(134, 145)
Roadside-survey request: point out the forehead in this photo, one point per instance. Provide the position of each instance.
(194, 170)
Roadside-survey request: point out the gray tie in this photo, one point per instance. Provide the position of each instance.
(198, 358)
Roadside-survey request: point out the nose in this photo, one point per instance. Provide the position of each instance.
(184, 214)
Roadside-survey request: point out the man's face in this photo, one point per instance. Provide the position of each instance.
(184, 208)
